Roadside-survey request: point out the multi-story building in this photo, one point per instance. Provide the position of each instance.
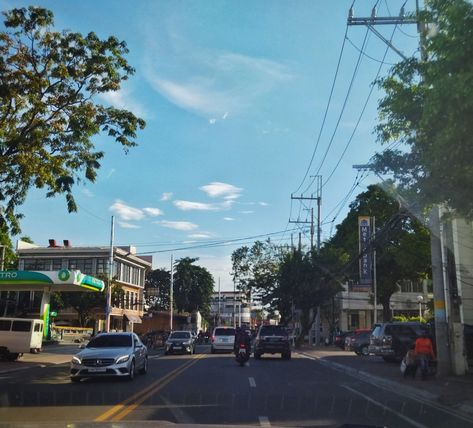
(129, 271)
(229, 307)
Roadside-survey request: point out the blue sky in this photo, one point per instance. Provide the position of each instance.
(234, 94)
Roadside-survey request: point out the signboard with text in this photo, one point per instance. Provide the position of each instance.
(364, 231)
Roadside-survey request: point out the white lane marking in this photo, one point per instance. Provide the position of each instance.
(252, 382)
(385, 408)
(264, 421)
(179, 414)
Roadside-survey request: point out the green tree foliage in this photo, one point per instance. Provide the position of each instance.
(402, 243)
(428, 107)
(48, 116)
(254, 268)
(193, 287)
(157, 287)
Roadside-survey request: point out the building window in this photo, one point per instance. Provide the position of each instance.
(102, 267)
(127, 300)
(84, 265)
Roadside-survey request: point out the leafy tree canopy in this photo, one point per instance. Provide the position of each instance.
(157, 287)
(48, 116)
(428, 108)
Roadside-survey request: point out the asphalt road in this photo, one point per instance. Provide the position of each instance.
(213, 389)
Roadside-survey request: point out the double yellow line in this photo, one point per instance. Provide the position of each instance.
(121, 410)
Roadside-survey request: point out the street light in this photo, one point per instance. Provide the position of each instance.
(420, 299)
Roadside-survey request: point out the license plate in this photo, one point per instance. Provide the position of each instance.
(224, 340)
(177, 347)
(98, 370)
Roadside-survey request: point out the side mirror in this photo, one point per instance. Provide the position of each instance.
(82, 346)
(138, 345)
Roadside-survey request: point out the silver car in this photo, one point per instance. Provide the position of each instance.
(110, 354)
(180, 342)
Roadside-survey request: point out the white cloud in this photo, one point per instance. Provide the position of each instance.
(123, 100)
(88, 193)
(153, 212)
(200, 236)
(225, 115)
(178, 225)
(208, 82)
(212, 121)
(126, 225)
(263, 204)
(166, 196)
(201, 206)
(218, 189)
(246, 212)
(111, 172)
(126, 212)
(229, 219)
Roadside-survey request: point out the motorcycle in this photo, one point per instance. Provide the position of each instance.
(242, 354)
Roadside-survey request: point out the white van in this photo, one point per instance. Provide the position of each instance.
(19, 335)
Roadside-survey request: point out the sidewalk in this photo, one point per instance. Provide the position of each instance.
(455, 392)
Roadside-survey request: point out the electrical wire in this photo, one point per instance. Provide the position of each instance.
(366, 55)
(361, 113)
(326, 110)
(355, 72)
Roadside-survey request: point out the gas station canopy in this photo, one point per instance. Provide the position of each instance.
(62, 280)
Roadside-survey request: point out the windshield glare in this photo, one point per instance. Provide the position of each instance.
(180, 335)
(110, 341)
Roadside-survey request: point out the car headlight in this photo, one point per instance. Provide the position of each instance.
(122, 359)
(76, 360)
(186, 343)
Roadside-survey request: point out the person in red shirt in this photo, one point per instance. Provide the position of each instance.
(424, 353)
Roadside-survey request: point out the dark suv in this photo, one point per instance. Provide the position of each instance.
(392, 340)
(272, 339)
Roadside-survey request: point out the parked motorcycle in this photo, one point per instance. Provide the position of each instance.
(242, 354)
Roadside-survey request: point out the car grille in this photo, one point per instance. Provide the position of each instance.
(98, 362)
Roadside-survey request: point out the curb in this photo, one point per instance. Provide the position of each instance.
(414, 393)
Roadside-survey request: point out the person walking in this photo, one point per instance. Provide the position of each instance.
(424, 353)
(410, 361)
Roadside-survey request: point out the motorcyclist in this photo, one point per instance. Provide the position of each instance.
(241, 337)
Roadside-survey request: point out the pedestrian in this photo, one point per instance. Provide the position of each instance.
(410, 361)
(424, 353)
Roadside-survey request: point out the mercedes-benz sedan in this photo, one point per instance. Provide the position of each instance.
(110, 354)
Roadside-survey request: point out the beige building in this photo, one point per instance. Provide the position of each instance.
(129, 270)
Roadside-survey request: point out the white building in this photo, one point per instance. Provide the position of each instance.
(230, 308)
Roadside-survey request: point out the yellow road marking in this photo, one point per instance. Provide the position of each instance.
(136, 397)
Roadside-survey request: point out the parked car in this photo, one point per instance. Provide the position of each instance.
(110, 354)
(223, 339)
(351, 339)
(272, 339)
(340, 339)
(392, 340)
(360, 343)
(181, 342)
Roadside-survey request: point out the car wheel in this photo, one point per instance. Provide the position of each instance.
(144, 369)
(365, 351)
(131, 375)
(257, 355)
(75, 379)
(286, 356)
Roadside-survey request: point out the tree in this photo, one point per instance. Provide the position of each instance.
(428, 108)
(402, 243)
(193, 287)
(48, 117)
(157, 287)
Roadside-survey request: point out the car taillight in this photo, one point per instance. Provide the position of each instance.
(242, 346)
(212, 339)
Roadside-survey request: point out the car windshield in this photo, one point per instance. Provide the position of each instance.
(225, 332)
(273, 330)
(110, 341)
(285, 173)
(180, 335)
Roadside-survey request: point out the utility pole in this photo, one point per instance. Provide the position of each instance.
(317, 198)
(171, 296)
(218, 310)
(108, 309)
(375, 284)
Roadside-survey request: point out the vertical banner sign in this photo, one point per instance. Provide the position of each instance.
(364, 231)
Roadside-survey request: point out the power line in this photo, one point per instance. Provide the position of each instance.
(361, 113)
(355, 72)
(326, 110)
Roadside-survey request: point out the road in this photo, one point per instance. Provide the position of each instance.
(213, 389)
